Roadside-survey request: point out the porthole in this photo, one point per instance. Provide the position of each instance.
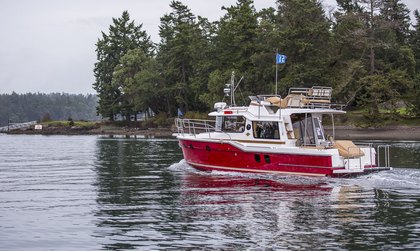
(257, 158)
(267, 158)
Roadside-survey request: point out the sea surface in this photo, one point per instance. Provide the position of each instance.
(102, 193)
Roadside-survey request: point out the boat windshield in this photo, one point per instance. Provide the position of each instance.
(308, 129)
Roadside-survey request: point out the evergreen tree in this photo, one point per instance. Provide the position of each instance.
(236, 45)
(123, 36)
(415, 46)
(183, 50)
(349, 51)
(396, 16)
(415, 40)
(371, 52)
(348, 6)
(305, 39)
(138, 77)
(267, 43)
(367, 54)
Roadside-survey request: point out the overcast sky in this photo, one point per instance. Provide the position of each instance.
(49, 45)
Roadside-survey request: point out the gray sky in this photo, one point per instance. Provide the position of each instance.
(49, 45)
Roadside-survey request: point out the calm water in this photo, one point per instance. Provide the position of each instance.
(91, 192)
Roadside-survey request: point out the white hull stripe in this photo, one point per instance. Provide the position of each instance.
(253, 170)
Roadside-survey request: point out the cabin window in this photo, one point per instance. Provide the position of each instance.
(266, 129)
(234, 124)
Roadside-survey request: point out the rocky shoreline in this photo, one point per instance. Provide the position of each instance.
(341, 132)
(74, 130)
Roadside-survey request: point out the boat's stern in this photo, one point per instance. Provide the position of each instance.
(362, 159)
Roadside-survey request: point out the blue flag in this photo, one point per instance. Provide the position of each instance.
(280, 59)
(180, 114)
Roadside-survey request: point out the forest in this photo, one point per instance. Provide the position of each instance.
(43, 107)
(367, 50)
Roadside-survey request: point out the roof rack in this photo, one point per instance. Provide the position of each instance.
(315, 97)
(314, 93)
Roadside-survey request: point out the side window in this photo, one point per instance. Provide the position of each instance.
(234, 124)
(266, 129)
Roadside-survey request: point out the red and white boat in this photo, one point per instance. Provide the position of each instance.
(276, 136)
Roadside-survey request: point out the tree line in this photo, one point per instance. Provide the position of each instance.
(367, 50)
(39, 106)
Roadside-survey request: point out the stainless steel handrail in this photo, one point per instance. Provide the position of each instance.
(382, 154)
(348, 154)
(385, 155)
(196, 126)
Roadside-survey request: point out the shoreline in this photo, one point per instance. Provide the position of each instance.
(341, 132)
(383, 133)
(151, 132)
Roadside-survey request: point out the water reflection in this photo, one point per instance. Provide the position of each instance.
(211, 188)
(405, 154)
(85, 192)
(250, 211)
(132, 187)
(146, 201)
(375, 218)
(402, 153)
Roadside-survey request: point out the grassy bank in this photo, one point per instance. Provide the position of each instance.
(159, 128)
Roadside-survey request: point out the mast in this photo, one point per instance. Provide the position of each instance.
(230, 89)
(277, 67)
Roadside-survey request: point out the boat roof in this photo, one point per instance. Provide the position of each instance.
(265, 112)
(315, 100)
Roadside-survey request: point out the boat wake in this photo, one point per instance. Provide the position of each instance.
(181, 166)
(399, 180)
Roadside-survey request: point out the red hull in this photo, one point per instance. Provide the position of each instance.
(209, 156)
